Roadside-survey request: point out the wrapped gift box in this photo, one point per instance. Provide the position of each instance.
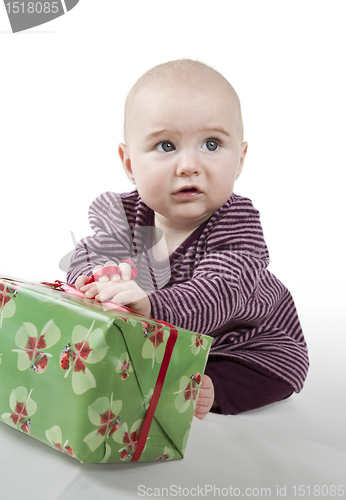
(98, 382)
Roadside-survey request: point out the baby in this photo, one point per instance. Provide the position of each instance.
(199, 247)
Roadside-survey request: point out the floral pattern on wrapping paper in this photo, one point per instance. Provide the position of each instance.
(105, 415)
(197, 343)
(7, 304)
(147, 398)
(168, 454)
(87, 346)
(124, 366)
(32, 350)
(129, 439)
(54, 436)
(155, 343)
(188, 392)
(23, 407)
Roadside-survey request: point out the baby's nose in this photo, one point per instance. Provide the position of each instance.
(188, 165)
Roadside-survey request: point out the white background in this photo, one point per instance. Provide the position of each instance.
(62, 91)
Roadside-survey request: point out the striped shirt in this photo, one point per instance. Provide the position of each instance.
(216, 282)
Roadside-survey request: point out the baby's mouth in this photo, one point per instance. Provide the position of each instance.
(189, 189)
(188, 192)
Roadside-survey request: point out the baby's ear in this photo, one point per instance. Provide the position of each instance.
(242, 157)
(126, 161)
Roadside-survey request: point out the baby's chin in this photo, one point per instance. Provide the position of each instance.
(190, 212)
(184, 219)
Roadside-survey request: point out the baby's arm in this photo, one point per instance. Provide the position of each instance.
(111, 238)
(258, 337)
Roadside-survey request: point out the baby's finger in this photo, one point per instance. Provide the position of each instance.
(102, 279)
(201, 412)
(121, 293)
(113, 277)
(107, 293)
(205, 402)
(86, 287)
(81, 280)
(125, 271)
(92, 289)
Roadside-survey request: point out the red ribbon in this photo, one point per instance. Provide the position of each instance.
(157, 392)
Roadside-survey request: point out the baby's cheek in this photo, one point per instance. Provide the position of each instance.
(155, 195)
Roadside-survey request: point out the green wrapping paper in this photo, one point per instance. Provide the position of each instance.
(98, 384)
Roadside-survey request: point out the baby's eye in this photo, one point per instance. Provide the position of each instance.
(165, 146)
(211, 145)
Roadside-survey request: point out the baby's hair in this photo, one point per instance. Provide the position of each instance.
(181, 74)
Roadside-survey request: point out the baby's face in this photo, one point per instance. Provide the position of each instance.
(184, 152)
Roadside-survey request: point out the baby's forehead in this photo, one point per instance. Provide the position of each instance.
(180, 78)
(183, 89)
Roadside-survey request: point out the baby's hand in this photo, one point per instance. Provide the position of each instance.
(126, 293)
(205, 398)
(118, 288)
